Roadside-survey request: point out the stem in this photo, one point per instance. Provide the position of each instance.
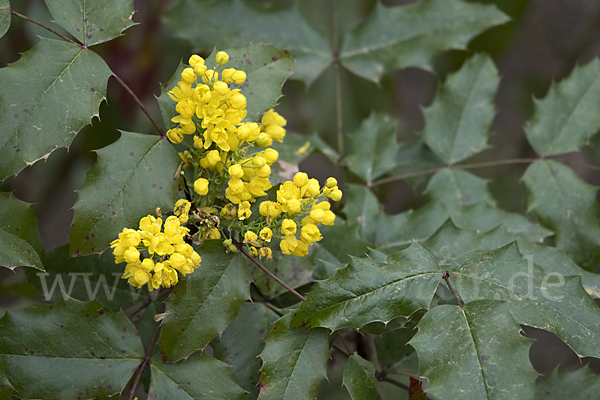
(142, 106)
(63, 37)
(337, 76)
(344, 342)
(445, 277)
(146, 359)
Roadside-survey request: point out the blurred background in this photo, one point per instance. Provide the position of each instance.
(542, 44)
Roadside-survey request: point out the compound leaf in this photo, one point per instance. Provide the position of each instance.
(295, 271)
(567, 117)
(373, 147)
(536, 298)
(235, 22)
(4, 16)
(359, 378)
(20, 242)
(559, 385)
(133, 176)
(92, 21)
(198, 377)
(572, 213)
(202, 305)
(46, 97)
(458, 122)
(475, 352)
(363, 207)
(367, 291)
(457, 188)
(58, 351)
(243, 341)
(294, 362)
(413, 35)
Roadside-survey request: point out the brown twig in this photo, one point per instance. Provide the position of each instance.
(146, 359)
(139, 103)
(344, 342)
(26, 18)
(337, 76)
(445, 277)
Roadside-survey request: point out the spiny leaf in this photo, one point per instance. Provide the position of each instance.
(295, 271)
(400, 230)
(92, 21)
(481, 217)
(373, 147)
(394, 354)
(359, 378)
(546, 301)
(568, 116)
(553, 260)
(198, 377)
(45, 99)
(20, 242)
(132, 177)
(413, 35)
(414, 157)
(457, 188)
(458, 122)
(243, 341)
(202, 305)
(4, 17)
(6, 388)
(342, 240)
(560, 385)
(450, 242)
(363, 207)
(368, 291)
(294, 362)
(567, 205)
(58, 351)
(520, 226)
(475, 352)
(87, 278)
(235, 22)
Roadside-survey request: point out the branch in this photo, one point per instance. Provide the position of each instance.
(142, 106)
(337, 74)
(63, 37)
(146, 359)
(382, 376)
(445, 277)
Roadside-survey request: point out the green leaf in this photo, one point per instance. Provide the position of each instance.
(165, 103)
(294, 362)
(87, 278)
(359, 378)
(480, 217)
(6, 388)
(202, 305)
(295, 271)
(198, 377)
(553, 260)
(293, 149)
(572, 213)
(342, 240)
(413, 35)
(46, 97)
(242, 342)
(520, 226)
(567, 117)
(413, 158)
(368, 291)
(4, 17)
(475, 352)
(57, 351)
(560, 385)
(363, 207)
(235, 22)
(546, 301)
(20, 242)
(373, 147)
(457, 188)
(394, 354)
(402, 229)
(458, 122)
(133, 176)
(450, 242)
(90, 21)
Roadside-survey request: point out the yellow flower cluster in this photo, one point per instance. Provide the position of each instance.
(164, 251)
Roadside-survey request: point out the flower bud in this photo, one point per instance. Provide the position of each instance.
(188, 75)
(227, 75)
(331, 182)
(227, 242)
(259, 161)
(263, 172)
(195, 60)
(238, 101)
(336, 195)
(300, 179)
(200, 69)
(232, 248)
(239, 77)
(263, 140)
(271, 155)
(222, 58)
(221, 88)
(236, 171)
(201, 186)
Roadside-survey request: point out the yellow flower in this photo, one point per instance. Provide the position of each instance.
(239, 77)
(300, 250)
(188, 75)
(159, 244)
(150, 226)
(257, 186)
(294, 206)
(300, 179)
(273, 118)
(331, 182)
(271, 155)
(266, 234)
(288, 227)
(263, 172)
(201, 186)
(288, 191)
(310, 233)
(131, 255)
(265, 252)
(244, 211)
(222, 58)
(238, 101)
(135, 275)
(275, 132)
(269, 209)
(175, 135)
(182, 206)
(236, 171)
(317, 214)
(335, 195)
(253, 251)
(198, 144)
(195, 59)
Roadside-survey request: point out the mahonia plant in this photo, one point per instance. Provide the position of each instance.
(230, 164)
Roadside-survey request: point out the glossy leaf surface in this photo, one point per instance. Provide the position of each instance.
(359, 378)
